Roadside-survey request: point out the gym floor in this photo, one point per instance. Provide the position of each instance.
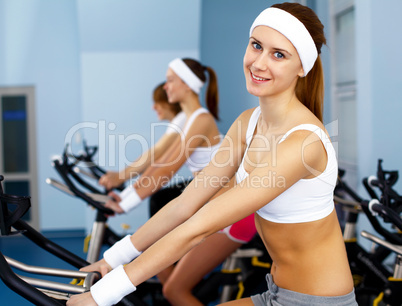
(20, 248)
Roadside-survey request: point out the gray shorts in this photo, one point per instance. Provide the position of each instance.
(276, 296)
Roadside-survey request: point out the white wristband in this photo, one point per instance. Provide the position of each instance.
(112, 287)
(125, 192)
(129, 200)
(121, 253)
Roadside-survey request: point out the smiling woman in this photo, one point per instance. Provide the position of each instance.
(268, 61)
(283, 136)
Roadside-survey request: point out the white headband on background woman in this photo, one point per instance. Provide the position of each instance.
(294, 30)
(186, 74)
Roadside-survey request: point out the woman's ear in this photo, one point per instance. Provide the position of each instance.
(301, 72)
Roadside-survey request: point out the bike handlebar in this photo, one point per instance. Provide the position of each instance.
(373, 181)
(64, 175)
(369, 183)
(372, 208)
(394, 248)
(86, 157)
(384, 180)
(20, 205)
(387, 213)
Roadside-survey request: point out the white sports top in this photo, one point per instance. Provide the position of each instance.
(177, 123)
(201, 156)
(308, 199)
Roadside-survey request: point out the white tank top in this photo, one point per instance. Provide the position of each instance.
(308, 199)
(201, 156)
(177, 123)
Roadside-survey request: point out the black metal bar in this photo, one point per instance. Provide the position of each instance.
(22, 288)
(49, 245)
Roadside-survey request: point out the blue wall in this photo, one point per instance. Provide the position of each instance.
(91, 62)
(40, 47)
(224, 38)
(125, 49)
(379, 67)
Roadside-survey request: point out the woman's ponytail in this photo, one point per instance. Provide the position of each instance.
(310, 89)
(212, 95)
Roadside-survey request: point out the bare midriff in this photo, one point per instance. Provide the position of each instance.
(308, 257)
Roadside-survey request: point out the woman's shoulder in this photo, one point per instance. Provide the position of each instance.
(241, 124)
(204, 116)
(304, 116)
(250, 111)
(246, 115)
(310, 125)
(200, 122)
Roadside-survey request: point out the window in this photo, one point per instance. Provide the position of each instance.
(344, 84)
(18, 150)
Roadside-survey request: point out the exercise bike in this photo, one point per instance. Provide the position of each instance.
(74, 184)
(370, 273)
(37, 288)
(367, 267)
(390, 292)
(242, 274)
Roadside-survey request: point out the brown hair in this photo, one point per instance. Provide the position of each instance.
(212, 96)
(310, 89)
(160, 96)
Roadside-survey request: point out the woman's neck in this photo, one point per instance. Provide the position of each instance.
(275, 111)
(190, 104)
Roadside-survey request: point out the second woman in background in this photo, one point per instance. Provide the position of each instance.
(170, 112)
(197, 145)
(198, 141)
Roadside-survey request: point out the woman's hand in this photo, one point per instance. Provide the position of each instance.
(84, 299)
(113, 204)
(100, 266)
(110, 180)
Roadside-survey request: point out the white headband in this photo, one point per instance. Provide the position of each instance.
(186, 74)
(294, 30)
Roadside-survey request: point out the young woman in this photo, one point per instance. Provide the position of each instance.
(165, 111)
(288, 172)
(198, 142)
(184, 80)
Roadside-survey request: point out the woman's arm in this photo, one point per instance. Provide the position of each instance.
(113, 179)
(203, 187)
(160, 173)
(235, 204)
(153, 154)
(206, 184)
(288, 161)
